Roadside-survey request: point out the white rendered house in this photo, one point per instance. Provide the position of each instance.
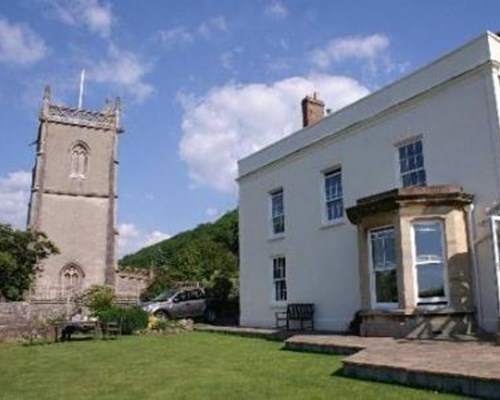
(387, 207)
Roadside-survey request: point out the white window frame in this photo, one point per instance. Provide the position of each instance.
(373, 291)
(327, 221)
(272, 195)
(401, 174)
(438, 301)
(275, 280)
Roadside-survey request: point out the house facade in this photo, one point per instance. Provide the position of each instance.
(385, 209)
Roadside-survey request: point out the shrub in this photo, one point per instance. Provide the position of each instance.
(131, 318)
(98, 299)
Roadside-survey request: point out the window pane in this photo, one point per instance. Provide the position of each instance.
(407, 180)
(390, 250)
(428, 241)
(279, 224)
(280, 290)
(421, 177)
(384, 265)
(411, 164)
(383, 249)
(333, 195)
(279, 268)
(418, 146)
(430, 280)
(278, 212)
(386, 286)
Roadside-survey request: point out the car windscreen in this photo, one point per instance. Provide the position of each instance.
(165, 295)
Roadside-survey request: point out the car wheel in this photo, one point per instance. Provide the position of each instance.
(210, 316)
(162, 315)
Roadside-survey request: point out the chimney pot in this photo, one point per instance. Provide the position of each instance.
(313, 109)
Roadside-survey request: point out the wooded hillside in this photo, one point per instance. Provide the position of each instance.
(207, 254)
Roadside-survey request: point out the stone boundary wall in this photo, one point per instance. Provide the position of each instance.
(20, 318)
(131, 283)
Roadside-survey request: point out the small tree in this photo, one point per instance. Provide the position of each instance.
(20, 252)
(98, 299)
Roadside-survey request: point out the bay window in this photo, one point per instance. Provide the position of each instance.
(384, 286)
(429, 262)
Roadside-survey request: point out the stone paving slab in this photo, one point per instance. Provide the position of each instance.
(470, 360)
(471, 368)
(477, 359)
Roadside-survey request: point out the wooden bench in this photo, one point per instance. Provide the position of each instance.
(111, 329)
(68, 328)
(301, 312)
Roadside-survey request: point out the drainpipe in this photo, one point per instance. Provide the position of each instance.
(471, 228)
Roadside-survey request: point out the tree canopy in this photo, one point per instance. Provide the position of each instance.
(207, 254)
(20, 252)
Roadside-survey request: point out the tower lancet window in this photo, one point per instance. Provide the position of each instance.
(71, 278)
(79, 161)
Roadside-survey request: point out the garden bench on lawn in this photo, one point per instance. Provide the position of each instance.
(85, 327)
(111, 329)
(301, 312)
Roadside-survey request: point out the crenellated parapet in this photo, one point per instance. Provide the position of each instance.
(107, 118)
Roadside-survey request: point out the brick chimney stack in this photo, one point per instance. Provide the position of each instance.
(313, 109)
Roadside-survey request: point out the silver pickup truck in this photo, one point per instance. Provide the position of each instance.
(181, 303)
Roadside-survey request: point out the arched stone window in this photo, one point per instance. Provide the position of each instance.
(71, 278)
(79, 160)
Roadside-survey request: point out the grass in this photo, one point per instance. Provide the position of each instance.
(184, 366)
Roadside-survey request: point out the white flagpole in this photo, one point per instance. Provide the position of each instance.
(80, 97)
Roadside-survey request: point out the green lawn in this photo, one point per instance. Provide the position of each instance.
(185, 366)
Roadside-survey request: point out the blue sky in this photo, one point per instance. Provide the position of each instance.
(203, 84)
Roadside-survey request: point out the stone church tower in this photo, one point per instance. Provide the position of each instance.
(73, 196)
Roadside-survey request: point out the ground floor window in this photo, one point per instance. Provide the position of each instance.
(429, 261)
(279, 278)
(384, 285)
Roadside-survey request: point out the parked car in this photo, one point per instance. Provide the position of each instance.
(182, 303)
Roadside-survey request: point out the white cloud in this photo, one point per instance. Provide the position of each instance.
(155, 237)
(96, 17)
(227, 58)
(19, 44)
(176, 36)
(276, 10)
(14, 198)
(212, 212)
(215, 24)
(180, 35)
(365, 48)
(234, 120)
(123, 69)
(131, 238)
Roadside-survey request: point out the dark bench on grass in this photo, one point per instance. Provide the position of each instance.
(301, 312)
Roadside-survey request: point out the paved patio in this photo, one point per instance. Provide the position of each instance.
(467, 367)
(471, 367)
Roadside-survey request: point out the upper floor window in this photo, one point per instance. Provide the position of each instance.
(333, 195)
(279, 279)
(411, 164)
(277, 212)
(79, 161)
